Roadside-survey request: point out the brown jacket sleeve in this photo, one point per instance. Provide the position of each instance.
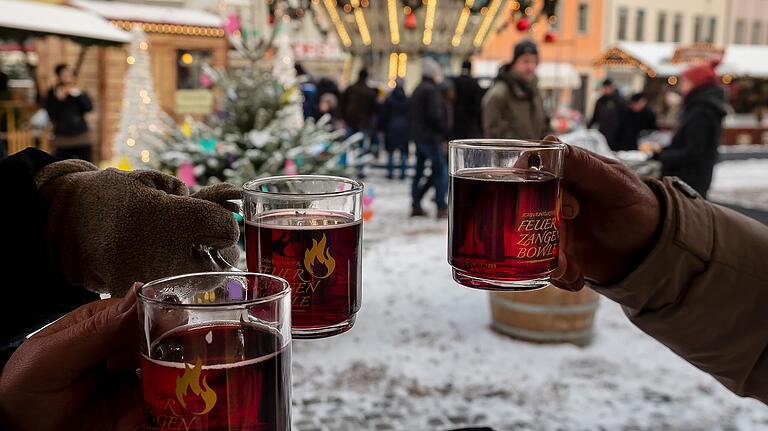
(703, 290)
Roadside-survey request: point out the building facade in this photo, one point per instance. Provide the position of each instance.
(578, 41)
(747, 22)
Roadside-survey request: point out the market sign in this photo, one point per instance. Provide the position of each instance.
(316, 50)
(194, 101)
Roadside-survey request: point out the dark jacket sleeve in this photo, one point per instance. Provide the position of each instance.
(688, 142)
(52, 104)
(436, 115)
(84, 102)
(703, 290)
(33, 294)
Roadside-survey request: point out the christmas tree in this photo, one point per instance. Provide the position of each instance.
(260, 130)
(143, 128)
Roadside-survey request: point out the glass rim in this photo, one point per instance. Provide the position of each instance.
(219, 306)
(506, 144)
(357, 186)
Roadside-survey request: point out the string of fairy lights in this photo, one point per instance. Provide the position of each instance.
(177, 29)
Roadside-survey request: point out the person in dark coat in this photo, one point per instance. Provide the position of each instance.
(692, 154)
(466, 106)
(609, 110)
(358, 107)
(67, 105)
(638, 119)
(429, 129)
(395, 124)
(309, 106)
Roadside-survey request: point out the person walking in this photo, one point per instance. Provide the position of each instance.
(513, 107)
(467, 104)
(692, 154)
(638, 119)
(395, 124)
(67, 105)
(429, 128)
(358, 107)
(608, 112)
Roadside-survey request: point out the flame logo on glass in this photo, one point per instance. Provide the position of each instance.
(191, 380)
(318, 260)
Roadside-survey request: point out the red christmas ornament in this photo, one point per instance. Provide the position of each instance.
(523, 24)
(271, 19)
(410, 21)
(550, 37)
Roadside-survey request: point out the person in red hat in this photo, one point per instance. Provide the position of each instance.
(692, 154)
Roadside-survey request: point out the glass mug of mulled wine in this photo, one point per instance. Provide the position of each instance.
(307, 229)
(504, 199)
(216, 352)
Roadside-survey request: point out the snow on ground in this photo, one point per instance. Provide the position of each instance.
(422, 357)
(742, 182)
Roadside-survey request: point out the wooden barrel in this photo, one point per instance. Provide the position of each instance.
(549, 315)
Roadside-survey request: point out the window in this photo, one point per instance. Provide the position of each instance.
(583, 16)
(661, 27)
(640, 25)
(757, 33)
(189, 69)
(677, 29)
(712, 29)
(739, 35)
(698, 28)
(622, 28)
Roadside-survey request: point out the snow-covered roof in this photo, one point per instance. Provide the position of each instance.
(739, 60)
(40, 19)
(149, 13)
(745, 60)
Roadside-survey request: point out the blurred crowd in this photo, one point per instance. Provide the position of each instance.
(445, 108)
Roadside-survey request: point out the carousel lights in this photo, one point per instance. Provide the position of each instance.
(394, 30)
(672, 80)
(361, 24)
(429, 21)
(486, 24)
(461, 25)
(145, 156)
(130, 59)
(143, 45)
(330, 7)
(727, 79)
(402, 63)
(392, 69)
(130, 142)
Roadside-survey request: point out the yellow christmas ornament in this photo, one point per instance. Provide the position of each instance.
(186, 129)
(124, 164)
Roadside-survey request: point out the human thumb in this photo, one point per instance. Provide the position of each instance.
(83, 339)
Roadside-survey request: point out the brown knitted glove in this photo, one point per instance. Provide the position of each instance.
(107, 229)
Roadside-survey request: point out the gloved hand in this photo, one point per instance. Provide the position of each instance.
(107, 229)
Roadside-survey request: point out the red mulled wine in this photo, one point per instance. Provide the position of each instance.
(504, 227)
(218, 377)
(319, 254)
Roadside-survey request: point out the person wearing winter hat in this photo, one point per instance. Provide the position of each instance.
(692, 153)
(608, 113)
(513, 107)
(466, 106)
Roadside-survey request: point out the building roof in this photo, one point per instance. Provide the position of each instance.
(39, 19)
(114, 10)
(655, 59)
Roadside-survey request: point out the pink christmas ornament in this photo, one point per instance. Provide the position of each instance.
(233, 24)
(186, 173)
(290, 167)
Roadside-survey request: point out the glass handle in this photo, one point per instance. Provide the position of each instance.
(213, 256)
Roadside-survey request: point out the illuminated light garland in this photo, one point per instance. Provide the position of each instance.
(429, 21)
(330, 7)
(394, 30)
(672, 80)
(365, 35)
(402, 63)
(461, 25)
(185, 30)
(727, 79)
(486, 24)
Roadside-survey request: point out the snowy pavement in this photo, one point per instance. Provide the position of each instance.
(422, 357)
